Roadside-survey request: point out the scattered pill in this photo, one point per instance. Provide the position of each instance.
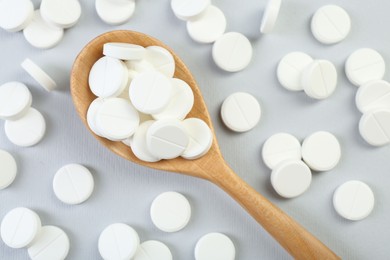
(364, 65)
(161, 60)
(281, 147)
(139, 145)
(26, 131)
(15, 15)
(290, 70)
(118, 241)
(321, 151)
(170, 211)
(115, 12)
(19, 227)
(91, 115)
(291, 178)
(374, 127)
(208, 27)
(232, 52)
(240, 112)
(330, 24)
(189, 9)
(319, 79)
(39, 75)
(15, 100)
(153, 250)
(123, 51)
(201, 138)
(59, 13)
(8, 169)
(215, 246)
(270, 16)
(373, 95)
(51, 243)
(354, 200)
(73, 184)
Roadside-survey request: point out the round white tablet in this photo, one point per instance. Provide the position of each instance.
(201, 138)
(91, 115)
(189, 9)
(215, 246)
(373, 95)
(117, 119)
(240, 112)
(270, 16)
(209, 26)
(321, 151)
(153, 250)
(374, 127)
(167, 138)
(330, 24)
(15, 15)
(108, 77)
(281, 147)
(19, 227)
(139, 145)
(354, 200)
(118, 241)
(8, 169)
(42, 35)
(28, 130)
(181, 103)
(364, 65)
(170, 211)
(115, 12)
(15, 100)
(51, 243)
(319, 79)
(63, 14)
(150, 92)
(291, 178)
(161, 60)
(138, 66)
(290, 70)
(232, 52)
(73, 184)
(39, 75)
(123, 51)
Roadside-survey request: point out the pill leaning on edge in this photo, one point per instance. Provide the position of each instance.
(8, 169)
(39, 75)
(214, 246)
(123, 51)
(153, 250)
(270, 16)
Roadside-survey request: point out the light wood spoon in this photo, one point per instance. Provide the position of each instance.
(212, 167)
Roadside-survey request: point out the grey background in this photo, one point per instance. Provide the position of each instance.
(124, 191)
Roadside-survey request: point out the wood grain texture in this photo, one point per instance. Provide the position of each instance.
(293, 237)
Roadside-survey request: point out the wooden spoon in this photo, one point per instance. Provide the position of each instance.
(293, 237)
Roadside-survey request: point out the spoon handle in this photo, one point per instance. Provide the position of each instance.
(290, 235)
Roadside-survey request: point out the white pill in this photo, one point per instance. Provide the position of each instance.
(136, 67)
(73, 184)
(215, 246)
(319, 79)
(91, 115)
(108, 77)
(270, 16)
(42, 35)
(8, 169)
(19, 227)
(232, 52)
(189, 9)
(330, 24)
(139, 144)
(170, 211)
(281, 147)
(374, 127)
(15, 100)
(115, 12)
(373, 95)
(15, 15)
(161, 60)
(291, 178)
(118, 241)
(123, 51)
(209, 26)
(240, 112)
(28, 130)
(153, 250)
(181, 103)
(290, 70)
(39, 75)
(63, 14)
(354, 200)
(150, 92)
(50, 244)
(321, 151)
(201, 138)
(364, 65)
